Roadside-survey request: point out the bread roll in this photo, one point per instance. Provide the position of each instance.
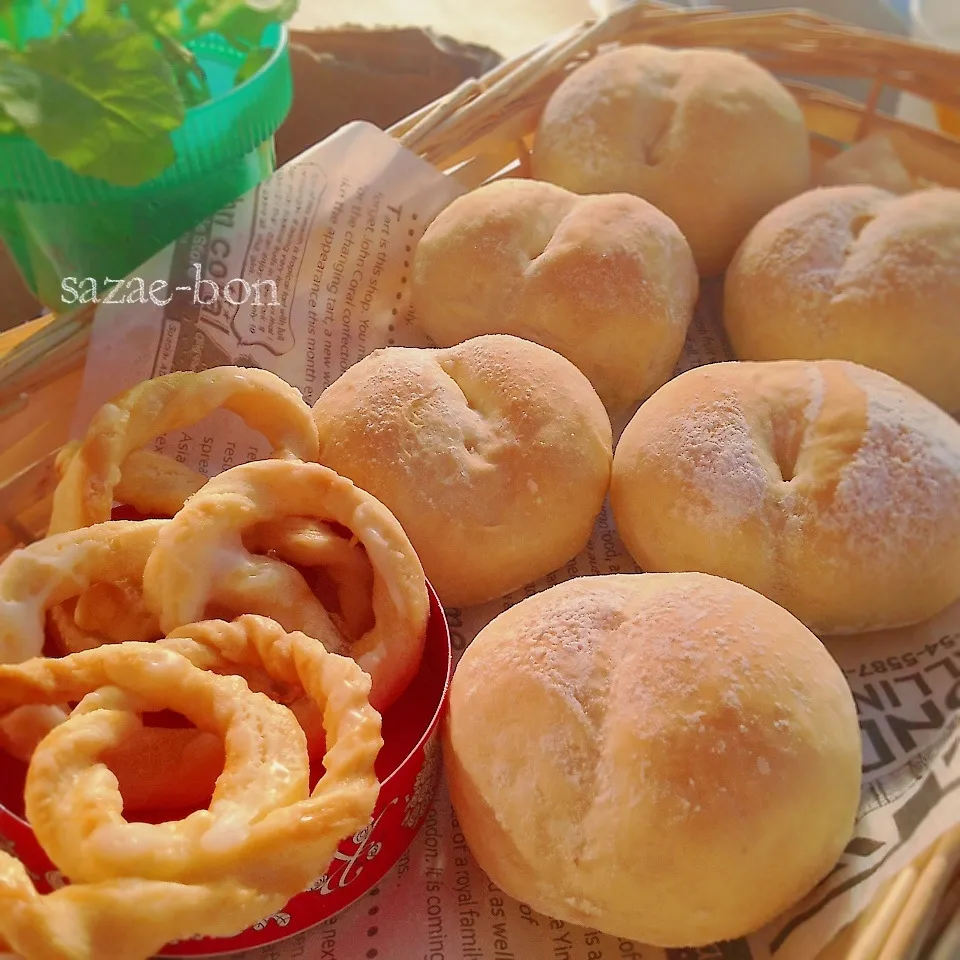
(830, 488)
(609, 282)
(494, 456)
(855, 273)
(708, 136)
(681, 762)
(872, 161)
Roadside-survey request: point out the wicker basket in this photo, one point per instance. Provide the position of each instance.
(483, 129)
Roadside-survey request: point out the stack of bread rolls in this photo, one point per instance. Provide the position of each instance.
(670, 756)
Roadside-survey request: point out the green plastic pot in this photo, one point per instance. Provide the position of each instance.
(60, 226)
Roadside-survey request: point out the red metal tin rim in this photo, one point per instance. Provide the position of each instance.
(436, 609)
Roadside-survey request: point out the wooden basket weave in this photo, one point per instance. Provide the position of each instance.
(484, 129)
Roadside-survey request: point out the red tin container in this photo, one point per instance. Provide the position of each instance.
(409, 771)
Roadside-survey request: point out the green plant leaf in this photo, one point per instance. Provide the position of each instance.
(163, 16)
(252, 62)
(8, 126)
(9, 28)
(191, 80)
(163, 20)
(240, 24)
(19, 91)
(100, 97)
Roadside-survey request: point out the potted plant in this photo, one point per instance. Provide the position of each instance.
(124, 123)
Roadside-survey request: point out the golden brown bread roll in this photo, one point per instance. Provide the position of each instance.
(494, 456)
(828, 487)
(670, 758)
(854, 273)
(708, 136)
(608, 282)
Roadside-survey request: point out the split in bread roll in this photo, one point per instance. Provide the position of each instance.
(708, 136)
(826, 486)
(494, 455)
(854, 273)
(609, 282)
(670, 758)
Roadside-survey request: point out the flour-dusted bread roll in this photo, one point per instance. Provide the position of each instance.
(830, 488)
(708, 136)
(609, 281)
(872, 161)
(494, 455)
(854, 273)
(669, 758)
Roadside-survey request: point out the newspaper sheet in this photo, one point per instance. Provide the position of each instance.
(330, 240)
